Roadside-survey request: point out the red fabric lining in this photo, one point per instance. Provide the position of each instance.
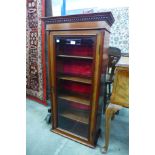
(78, 50)
(81, 68)
(76, 87)
(79, 106)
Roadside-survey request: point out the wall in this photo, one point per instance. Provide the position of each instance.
(120, 29)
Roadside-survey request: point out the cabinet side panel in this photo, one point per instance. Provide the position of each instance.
(96, 88)
(104, 63)
(105, 52)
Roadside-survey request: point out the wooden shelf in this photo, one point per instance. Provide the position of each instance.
(75, 99)
(59, 74)
(77, 57)
(75, 93)
(76, 79)
(83, 118)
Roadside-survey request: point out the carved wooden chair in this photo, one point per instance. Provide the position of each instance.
(114, 55)
(119, 97)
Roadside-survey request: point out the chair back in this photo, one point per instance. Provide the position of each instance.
(114, 55)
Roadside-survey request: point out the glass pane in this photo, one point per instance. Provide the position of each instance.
(74, 65)
(73, 117)
(82, 46)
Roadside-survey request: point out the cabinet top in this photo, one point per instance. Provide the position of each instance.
(93, 17)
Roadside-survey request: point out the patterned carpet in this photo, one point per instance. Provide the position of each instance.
(35, 52)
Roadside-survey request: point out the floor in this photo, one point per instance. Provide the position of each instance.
(40, 141)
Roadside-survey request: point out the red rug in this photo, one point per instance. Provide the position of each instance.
(35, 51)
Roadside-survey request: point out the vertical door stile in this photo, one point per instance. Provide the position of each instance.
(53, 80)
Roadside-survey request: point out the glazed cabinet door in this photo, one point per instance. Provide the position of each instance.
(74, 70)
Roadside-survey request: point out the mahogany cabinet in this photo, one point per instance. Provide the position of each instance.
(77, 47)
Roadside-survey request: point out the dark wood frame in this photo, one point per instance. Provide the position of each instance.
(98, 25)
